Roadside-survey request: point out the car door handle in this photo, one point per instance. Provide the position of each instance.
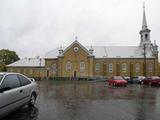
(21, 91)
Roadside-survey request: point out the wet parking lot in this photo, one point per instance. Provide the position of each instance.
(91, 101)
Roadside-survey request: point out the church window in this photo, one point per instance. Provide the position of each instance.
(54, 67)
(97, 66)
(150, 67)
(110, 67)
(137, 67)
(124, 67)
(68, 66)
(146, 36)
(82, 66)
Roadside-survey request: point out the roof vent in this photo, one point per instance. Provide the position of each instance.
(60, 51)
(91, 50)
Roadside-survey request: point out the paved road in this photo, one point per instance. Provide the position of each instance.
(92, 101)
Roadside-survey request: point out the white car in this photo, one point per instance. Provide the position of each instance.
(16, 90)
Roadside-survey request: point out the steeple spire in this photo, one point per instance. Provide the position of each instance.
(144, 22)
(145, 32)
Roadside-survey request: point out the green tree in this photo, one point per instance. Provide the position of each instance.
(2, 67)
(7, 57)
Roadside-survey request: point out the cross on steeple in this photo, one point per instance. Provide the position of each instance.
(76, 38)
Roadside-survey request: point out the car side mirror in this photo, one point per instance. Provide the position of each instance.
(4, 89)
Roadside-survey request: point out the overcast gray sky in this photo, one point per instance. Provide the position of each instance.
(34, 27)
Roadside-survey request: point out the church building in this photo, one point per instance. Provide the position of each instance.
(81, 61)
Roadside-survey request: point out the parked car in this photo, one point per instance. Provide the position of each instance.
(154, 80)
(16, 90)
(117, 80)
(137, 80)
(128, 79)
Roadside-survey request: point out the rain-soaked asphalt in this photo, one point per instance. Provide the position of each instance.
(92, 101)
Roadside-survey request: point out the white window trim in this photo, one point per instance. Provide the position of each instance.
(150, 67)
(137, 67)
(54, 67)
(110, 67)
(124, 67)
(68, 66)
(97, 67)
(82, 66)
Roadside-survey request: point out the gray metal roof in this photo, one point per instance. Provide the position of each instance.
(28, 62)
(109, 52)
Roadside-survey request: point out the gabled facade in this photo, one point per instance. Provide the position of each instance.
(77, 60)
(83, 61)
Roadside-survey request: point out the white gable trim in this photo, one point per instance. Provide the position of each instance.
(76, 42)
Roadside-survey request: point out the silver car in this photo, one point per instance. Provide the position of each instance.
(16, 90)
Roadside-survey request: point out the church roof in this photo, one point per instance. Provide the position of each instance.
(28, 62)
(109, 52)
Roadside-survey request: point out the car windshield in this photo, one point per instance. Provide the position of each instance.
(117, 78)
(1, 76)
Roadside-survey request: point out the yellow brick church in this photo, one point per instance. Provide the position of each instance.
(77, 60)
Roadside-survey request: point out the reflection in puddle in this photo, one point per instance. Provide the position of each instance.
(24, 113)
(92, 101)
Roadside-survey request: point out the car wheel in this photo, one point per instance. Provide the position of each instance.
(32, 100)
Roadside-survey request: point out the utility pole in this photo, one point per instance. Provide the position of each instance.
(144, 70)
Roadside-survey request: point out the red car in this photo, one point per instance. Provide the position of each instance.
(117, 80)
(154, 80)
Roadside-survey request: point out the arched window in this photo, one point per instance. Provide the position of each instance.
(150, 67)
(82, 66)
(97, 66)
(110, 68)
(124, 67)
(137, 67)
(68, 66)
(54, 67)
(146, 36)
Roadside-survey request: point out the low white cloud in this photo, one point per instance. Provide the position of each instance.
(33, 27)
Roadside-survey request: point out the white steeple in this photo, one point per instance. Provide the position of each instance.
(145, 32)
(144, 22)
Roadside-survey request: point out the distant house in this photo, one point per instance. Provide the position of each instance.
(77, 60)
(32, 67)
